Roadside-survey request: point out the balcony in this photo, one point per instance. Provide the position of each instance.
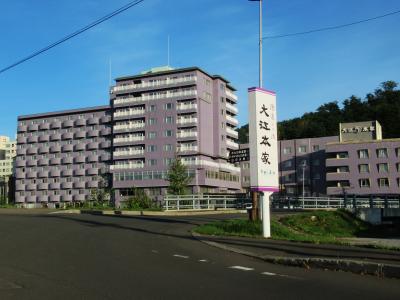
(105, 119)
(130, 113)
(166, 95)
(31, 175)
(31, 187)
(19, 199)
(44, 126)
(31, 199)
(79, 185)
(92, 171)
(231, 95)
(20, 163)
(190, 106)
(68, 124)
(44, 138)
(54, 198)
(67, 160)
(129, 139)
(188, 148)
(186, 134)
(31, 163)
(31, 150)
(21, 151)
(232, 120)
(92, 133)
(79, 159)
(42, 186)
(55, 161)
(92, 146)
(66, 198)
(67, 148)
(231, 108)
(80, 147)
(131, 152)
(93, 121)
(67, 136)
(20, 187)
(66, 185)
(232, 133)
(131, 165)
(55, 125)
(105, 144)
(79, 172)
(78, 198)
(80, 122)
(43, 198)
(55, 148)
(66, 173)
(33, 127)
(32, 139)
(232, 145)
(43, 162)
(54, 173)
(22, 128)
(55, 137)
(54, 186)
(127, 127)
(105, 157)
(92, 184)
(92, 158)
(21, 140)
(43, 174)
(43, 149)
(186, 121)
(105, 131)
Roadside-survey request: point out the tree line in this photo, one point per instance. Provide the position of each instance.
(382, 105)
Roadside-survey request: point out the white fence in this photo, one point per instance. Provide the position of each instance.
(202, 202)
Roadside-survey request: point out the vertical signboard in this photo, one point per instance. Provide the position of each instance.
(263, 143)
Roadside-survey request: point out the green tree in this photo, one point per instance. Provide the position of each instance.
(139, 200)
(178, 177)
(101, 196)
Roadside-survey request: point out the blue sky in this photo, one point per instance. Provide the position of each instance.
(218, 36)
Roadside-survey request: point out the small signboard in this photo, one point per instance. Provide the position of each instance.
(239, 155)
(263, 141)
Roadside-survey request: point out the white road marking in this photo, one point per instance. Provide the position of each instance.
(269, 273)
(241, 268)
(154, 251)
(181, 256)
(203, 260)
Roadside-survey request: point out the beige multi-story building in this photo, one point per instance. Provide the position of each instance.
(7, 155)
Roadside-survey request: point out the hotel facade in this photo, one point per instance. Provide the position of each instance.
(152, 118)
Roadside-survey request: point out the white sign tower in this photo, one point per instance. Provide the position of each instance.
(263, 141)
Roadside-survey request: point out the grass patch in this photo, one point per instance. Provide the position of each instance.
(314, 227)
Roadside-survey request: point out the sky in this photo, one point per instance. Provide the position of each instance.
(220, 37)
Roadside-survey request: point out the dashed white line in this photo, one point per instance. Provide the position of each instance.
(181, 256)
(241, 268)
(203, 260)
(269, 273)
(154, 251)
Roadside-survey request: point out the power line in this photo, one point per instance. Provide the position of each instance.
(330, 27)
(70, 36)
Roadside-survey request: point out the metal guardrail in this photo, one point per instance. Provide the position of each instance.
(201, 202)
(327, 202)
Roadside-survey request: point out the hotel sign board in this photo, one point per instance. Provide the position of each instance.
(360, 131)
(263, 140)
(239, 155)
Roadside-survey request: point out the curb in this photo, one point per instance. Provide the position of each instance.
(148, 213)
(354, 266)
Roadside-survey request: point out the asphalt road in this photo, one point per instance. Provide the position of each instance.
(108, 257)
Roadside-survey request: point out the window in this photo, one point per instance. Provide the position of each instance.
(317, 176)
(222, 112)
(168, 147)
(383, 182)
(152, 121)
(363, 153)
(287, 150)
(398, 167)
(287, 163)
(169, 120)
(343, 169)
(152, 162)
(342, 155)
(246, 165)
(168, 133)
(169, 106)
(151, 148)
(316, 162)
(315, 148)
(398, 152)
(383, 168)
(381, 153)
(168, 161)
(152, 135)
(363, 168)
(152, 107)
(364, 182)
(302, 149)
(222, 99)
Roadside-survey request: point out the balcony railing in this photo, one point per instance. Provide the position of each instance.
(231, 95)
(186, 120)
(231, 144)
(129, 139)
(167, 81)
(200, 162)
(232, 120)
(232, 132)
(129, 152)
(134, 112)
(129, 126)
(147, 97)
(186, 106)
(128, 166)
(185, 134)
(231, 108)
(187, 148)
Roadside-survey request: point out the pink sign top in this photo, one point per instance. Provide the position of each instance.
(253, 89)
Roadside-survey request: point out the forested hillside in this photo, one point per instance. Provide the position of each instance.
(382, 105)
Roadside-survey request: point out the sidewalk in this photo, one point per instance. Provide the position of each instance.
(384, 263)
